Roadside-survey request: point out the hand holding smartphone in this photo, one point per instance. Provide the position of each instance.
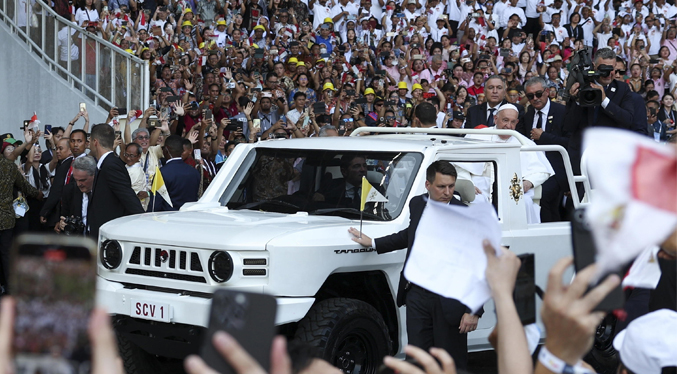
(249, 318)
(54, 284)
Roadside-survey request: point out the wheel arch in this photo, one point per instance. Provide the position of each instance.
(370, 287)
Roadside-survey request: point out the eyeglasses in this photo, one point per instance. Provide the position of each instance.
(131, 155)
(143, 137)
(538, 94)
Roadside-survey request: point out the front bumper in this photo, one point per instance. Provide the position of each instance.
(187, 313)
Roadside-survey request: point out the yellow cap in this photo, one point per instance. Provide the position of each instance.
(328, 20)
(221, 23)
(259, 27)
(321, 60)
(202, 45)
(254, 45)
(144, 49)
(129, 50)
(187, 23)
(417, 87)
(402, 86)
(188, 10)
(293, 60)
(369, 91)
(300, 63)
(328, 86)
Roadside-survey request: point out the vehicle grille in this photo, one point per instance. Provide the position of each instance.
(168, 264)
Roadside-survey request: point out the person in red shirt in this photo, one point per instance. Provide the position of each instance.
(478, 86)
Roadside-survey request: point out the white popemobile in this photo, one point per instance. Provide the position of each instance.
(260, 227)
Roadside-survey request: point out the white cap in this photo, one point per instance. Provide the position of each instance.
(649, 343)
(507, 106)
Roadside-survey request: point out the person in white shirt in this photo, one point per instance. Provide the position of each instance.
(654, 34)
(499, 7)
(132, 158)
(561, 34)
(411, 13)
(588, 24)
(513, 9)
(86, 13)
(441, 28)
(341, 11)
(321, 10)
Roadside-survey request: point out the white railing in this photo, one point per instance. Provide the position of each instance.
(105, 73)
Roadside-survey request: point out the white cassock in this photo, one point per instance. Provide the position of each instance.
(535, 168)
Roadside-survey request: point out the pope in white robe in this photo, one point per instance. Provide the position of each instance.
(536, 168)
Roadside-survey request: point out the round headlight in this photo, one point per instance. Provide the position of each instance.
(220, 266)
(111, 254)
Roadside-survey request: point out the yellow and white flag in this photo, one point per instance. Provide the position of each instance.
(158, 186)
(370, 194)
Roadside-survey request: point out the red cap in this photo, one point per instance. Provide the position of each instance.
(481, 127)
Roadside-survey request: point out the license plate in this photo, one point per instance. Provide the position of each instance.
(150, 310)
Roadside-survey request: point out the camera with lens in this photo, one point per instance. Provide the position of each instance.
(583, 71)
(74, 225)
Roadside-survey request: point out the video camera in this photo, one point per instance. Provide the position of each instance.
(583, 71)
(74, 226)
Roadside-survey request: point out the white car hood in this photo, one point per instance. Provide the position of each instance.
(214, 228)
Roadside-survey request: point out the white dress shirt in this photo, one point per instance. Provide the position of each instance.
(544, 117)
(103, 157)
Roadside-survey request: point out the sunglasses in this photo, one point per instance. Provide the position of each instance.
(621, 72)
(538, 94)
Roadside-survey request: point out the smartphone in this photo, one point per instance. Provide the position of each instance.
(197, 154)
(350, 92)
(417, 57)
(362, 100)
(173, 99)
(54, 283)
(48, 129)
(122, 111)
(319, 108)
(165, 89)
(118, 134)
(249, 318)
(153, 122)
(355, 70)
(83, 107)
(26, 123)
(584, 255)
(504, 52)
(524, 294)
(208, 114)
(342, 129)
(399, 15)
(257, 125)
(380, 72)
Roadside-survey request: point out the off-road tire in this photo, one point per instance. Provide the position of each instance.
(350, 334)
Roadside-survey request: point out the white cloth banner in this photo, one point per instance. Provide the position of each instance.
(447, 257)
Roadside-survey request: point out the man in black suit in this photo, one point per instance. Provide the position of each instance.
(77, 144)
(432, 320)
(483, 114)
(76, 196)
(182, 180)
(616, 109)
(543, 123)
(113, 196)
(344, 193)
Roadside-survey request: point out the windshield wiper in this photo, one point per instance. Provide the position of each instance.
(271, 202)
(350, 211)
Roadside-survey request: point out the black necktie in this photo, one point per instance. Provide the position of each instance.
(540, 120)
(490, 120)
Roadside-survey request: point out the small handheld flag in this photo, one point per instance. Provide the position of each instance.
(158, 186)
(370, 194)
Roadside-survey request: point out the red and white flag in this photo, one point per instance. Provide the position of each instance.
(634, 204)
